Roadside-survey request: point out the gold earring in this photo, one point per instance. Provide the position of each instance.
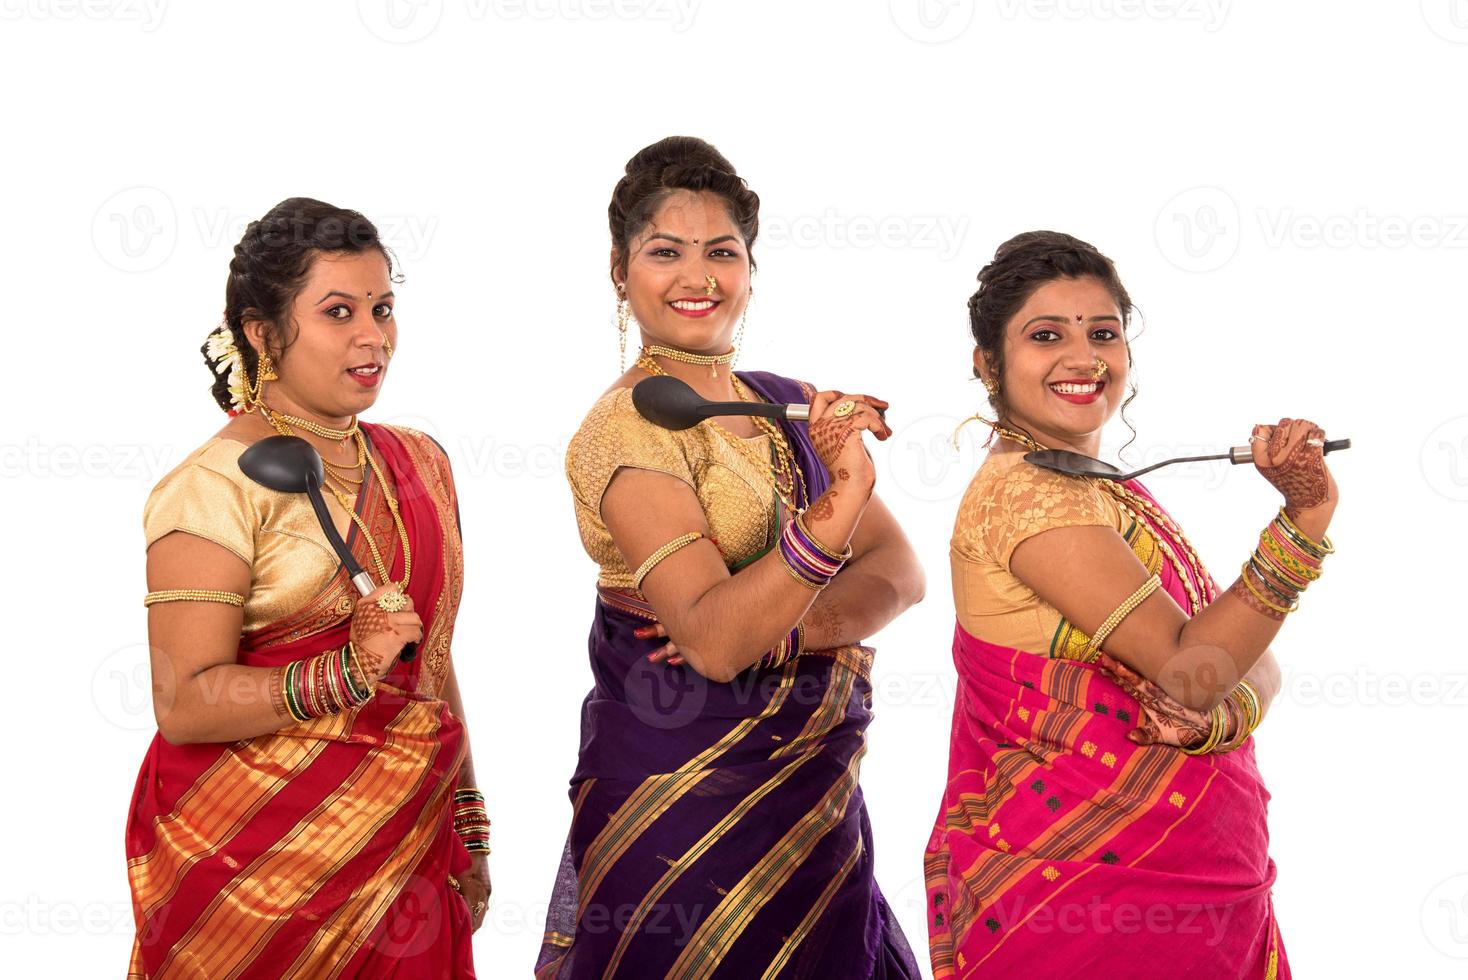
(739, 334)
(387, 347)
(712, 284)
(263, 372)
(624, 314)
(991, 386)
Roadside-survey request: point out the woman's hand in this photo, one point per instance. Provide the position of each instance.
(1163, 720)
(1291, 457)
(379, 636)
(832, 427)
(475, 887)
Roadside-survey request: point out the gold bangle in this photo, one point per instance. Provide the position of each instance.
(799, 640)
(663, 552)
(194, 595)
(1218, 719)
(1121, 612)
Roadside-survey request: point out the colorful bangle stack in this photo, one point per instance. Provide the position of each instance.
(471, 819)
(792, 646)
(1251, 711)
(810, 564)
(323, 685)
(1284, 564)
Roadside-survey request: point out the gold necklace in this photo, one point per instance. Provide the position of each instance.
(384, 577)
(673, 354)
(315, 428)
(783, 472)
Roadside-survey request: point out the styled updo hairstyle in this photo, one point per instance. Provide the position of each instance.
(1022, 265)
(656, 172)
(269, 268)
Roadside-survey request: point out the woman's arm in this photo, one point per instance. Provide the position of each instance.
(881, 581)
(200, 694)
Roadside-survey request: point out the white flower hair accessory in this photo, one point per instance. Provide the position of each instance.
(227, 360)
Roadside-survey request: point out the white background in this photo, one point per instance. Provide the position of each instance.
(1280, 185)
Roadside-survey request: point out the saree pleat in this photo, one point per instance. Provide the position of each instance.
(1065, 849)
(718, 830)
(322, 849)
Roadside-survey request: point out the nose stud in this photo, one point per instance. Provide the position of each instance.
(713, 284)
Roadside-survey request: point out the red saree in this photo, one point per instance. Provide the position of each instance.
(1064, 850)
(323, 849)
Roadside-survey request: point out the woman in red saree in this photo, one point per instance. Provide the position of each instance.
(1104, 815)
(307, 808)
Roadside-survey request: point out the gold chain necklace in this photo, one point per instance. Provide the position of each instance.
(783, 473)
(1131, 502)
(674, 354)
(281, 425)
(315, 428)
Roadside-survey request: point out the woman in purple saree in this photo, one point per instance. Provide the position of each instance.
(718, 828)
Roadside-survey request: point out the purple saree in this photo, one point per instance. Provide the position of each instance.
(718, 830)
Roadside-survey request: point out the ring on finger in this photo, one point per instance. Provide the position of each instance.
(844, 409)
(392, 602)
(1312, 441)
(1257, 439)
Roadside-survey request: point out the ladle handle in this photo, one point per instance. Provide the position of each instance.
(1244, 454)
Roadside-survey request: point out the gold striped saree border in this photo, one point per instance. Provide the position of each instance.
(813, 916)
(656, 794)
(216, 939)
(221, 802)
(837, 692)
(718, 933)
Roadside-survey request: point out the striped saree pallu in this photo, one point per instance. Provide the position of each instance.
(1064, 849)
(323, 849)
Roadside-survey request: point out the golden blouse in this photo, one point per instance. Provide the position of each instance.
(275, 533)
(1007, 501)
(737, 497)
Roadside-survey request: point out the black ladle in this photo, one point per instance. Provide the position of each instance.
(1076, 464)
(667, 402)
(290, 464)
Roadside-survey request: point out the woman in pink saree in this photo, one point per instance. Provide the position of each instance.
(1104, 815)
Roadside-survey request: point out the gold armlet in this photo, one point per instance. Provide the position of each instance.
(194, 595)
(1121, 612)
(663, 552)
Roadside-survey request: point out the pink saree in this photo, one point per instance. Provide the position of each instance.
(1064, 850)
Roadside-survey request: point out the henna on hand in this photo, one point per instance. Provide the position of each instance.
(843, 474)
(1299, 473)
(828, 435)
(369, 621)
(1163, 720)
(823, 508)
(1244, 594)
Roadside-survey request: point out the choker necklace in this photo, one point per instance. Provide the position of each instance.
(315, 428)
(673, 354)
